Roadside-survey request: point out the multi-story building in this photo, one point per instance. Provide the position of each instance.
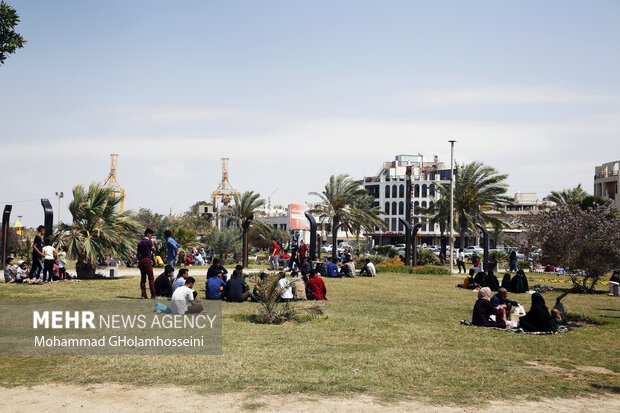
(399, 187)
(606, 182)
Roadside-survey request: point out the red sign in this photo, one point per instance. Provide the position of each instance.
(298, 219)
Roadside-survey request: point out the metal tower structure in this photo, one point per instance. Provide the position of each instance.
(112, 182)
(224, 191)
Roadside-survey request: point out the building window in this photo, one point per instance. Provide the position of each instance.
(394, 225)
(430, 205)
(423, 204)
(401, 191)
(394, 191)
(394, 208)
(387, 207)
(416, 191)
(424, 225)
(387, 225)
(387, 191)
(416, 204)
(401, 226)
(424, 191)
(431, 190)
(401, 207)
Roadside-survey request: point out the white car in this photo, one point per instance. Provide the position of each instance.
(471, 250)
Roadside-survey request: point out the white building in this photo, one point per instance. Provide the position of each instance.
(401, 185)
(606, 180)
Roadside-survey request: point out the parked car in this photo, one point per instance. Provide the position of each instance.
(473, 250)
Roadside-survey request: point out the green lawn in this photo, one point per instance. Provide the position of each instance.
(396, 336)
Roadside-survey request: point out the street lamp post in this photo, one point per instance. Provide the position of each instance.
(451, 205)
(60, 195)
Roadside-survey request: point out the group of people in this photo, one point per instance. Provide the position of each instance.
(517, 284)
(48, 264)
(492, 311)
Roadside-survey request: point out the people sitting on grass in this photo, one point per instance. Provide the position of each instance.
(23, 273)
(183, 299)
(479, 278)
(180, 280)
(198, 260)
(501, 298)
(332, 269)
(468, 282)
(490, 280)
(217, 269)
(368, 270)
(506, 281)
(306, 266)
(556, 320)
(299, 287)
(483, 310)
(215, 287)
(519, 284)
(163, 283)
(348, 267)
(315, 287)
(236, 290)
(285, 287)
(10, 271)
(538, 318)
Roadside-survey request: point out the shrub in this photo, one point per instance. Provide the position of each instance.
(523, 265)
(424, 269)
(498, 256)
(426, 257)
(386, 250)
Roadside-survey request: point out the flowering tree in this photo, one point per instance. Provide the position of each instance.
(586, 242)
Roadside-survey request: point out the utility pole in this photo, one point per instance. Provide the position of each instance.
(451, 205)
(60, 195)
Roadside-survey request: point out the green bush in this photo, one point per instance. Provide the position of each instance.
(425, 269)
(386, 250)
(523, 265)
(498, 256)
(426, 257)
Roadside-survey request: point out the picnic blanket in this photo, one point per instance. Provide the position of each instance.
(562, 329)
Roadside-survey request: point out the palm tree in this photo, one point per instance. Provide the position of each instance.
(576, 195)
(345, 201)
(98, 228)
(478, 189)
(247, 205)
(438, 212)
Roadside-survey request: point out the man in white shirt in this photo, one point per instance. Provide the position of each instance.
(285, 287)
(183, 300)
(460, 261)
(49, 259)
(368, 269)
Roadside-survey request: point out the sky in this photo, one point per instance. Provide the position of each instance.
(295, 91)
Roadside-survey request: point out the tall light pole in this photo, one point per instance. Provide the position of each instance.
(60, 195)
(451, 205)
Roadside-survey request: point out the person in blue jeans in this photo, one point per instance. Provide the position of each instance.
(172, 248)
(513, 261)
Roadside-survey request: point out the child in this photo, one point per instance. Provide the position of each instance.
(49, 259)
(62, 262)
(556, 319)
(23, 274)
(10, 271)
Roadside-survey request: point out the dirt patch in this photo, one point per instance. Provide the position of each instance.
(119, 399)
(549, 368)
(594, 369)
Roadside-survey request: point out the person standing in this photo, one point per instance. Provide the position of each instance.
(293, 260)
(172, 248)
(62, 262)
(49, 259)
(37, 253)
(303, 252)
(145, 263)
(513, 261)
(274, 256)
(460, 261)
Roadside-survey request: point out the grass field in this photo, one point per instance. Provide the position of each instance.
(393, 337)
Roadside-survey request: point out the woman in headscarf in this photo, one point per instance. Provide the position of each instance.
(483, 310)
(538, 318)
(518, 284)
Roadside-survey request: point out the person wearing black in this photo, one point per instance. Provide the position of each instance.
(293, 260)
(480, 278)
(506, 281)
(538, 318)
(513, 261)
(519, 284)
(163, 286)
(490, 280)
(37, 253)
(305, 266)
(236, 290)
(216, 268)
(145, 263)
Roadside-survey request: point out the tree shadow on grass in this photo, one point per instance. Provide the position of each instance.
(129, 298)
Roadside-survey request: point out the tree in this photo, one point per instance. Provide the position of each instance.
(345, 201)
(575, 195)
(247, 205)
(439, 213)
(98, 228)
(224, 242)
(10, 41)
(478, 189)
(584, 242)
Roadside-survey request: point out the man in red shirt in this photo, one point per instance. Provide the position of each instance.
(315, 287)
(274, 257)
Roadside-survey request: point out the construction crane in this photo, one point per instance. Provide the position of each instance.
(224, 191)
(112, 182)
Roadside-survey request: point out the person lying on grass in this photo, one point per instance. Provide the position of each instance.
(183, 299)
